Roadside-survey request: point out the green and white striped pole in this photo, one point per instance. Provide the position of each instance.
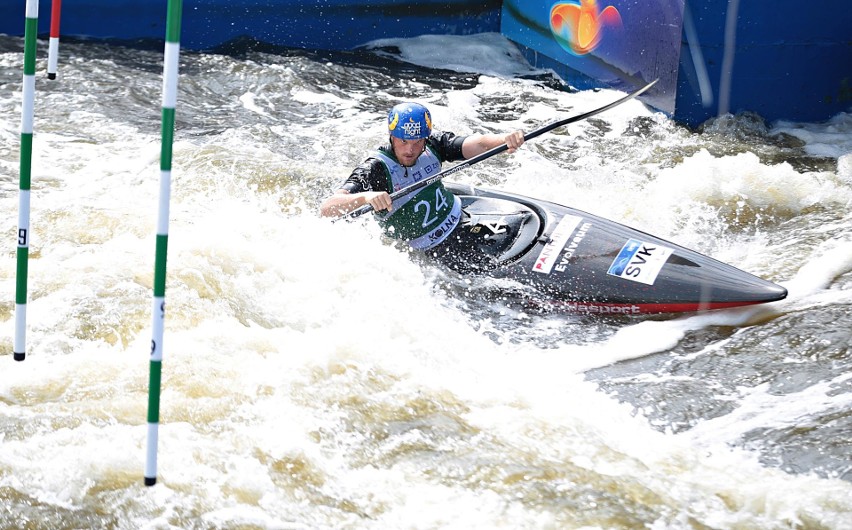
(30, 33)
(170, 78)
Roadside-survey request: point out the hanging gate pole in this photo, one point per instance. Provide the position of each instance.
(53, 46)
(27, 108)
(158, 312)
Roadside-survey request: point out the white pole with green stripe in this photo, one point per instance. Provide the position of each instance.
(27, 108)
(170, 78)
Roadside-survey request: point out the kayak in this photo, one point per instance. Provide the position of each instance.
(572, 261)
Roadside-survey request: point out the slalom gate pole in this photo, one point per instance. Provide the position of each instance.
(53, 46)
(170, 78)
(27, 108)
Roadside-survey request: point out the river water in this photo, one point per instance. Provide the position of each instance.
(314, 376)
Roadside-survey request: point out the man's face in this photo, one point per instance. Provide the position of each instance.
(407, 151)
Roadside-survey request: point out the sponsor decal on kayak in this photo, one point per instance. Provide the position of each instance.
(639, 261)
(571, 247)
(550, 253)
(602, 309)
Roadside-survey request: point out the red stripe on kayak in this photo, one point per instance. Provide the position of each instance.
(642, 309)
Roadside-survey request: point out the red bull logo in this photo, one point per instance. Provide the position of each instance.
(578, 26)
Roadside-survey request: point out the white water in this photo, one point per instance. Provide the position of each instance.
(314, 377)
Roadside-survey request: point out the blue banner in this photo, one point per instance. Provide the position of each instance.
(621, 43)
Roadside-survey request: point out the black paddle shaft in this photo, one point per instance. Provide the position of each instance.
(491, 152)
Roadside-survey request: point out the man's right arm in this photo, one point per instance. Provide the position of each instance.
(343, 202)
(358, 190)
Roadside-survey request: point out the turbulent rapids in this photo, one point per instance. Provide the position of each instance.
(315, 376)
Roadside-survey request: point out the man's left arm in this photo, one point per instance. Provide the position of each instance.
(476, 144)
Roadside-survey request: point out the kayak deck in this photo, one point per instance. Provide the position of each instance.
(577, 262)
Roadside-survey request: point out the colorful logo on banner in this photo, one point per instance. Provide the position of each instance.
(578, 26)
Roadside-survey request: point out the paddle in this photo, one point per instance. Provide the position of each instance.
(491, 152)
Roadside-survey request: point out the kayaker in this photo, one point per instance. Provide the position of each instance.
(427, 218)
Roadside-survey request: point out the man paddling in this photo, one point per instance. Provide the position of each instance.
(427, 218)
